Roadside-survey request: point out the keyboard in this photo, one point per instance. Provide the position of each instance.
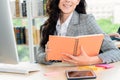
(22, 68)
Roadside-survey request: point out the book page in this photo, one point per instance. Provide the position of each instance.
(91, 44)
(58, 45)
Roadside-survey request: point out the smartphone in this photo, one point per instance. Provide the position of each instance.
(80, 74)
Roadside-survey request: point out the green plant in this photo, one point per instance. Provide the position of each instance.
(19, 22)
(23, 52)
(107, 25)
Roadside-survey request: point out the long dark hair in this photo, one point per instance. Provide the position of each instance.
(53, 11)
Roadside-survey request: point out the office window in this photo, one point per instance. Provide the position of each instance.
(106, 13)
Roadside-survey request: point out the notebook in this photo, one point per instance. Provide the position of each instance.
(72, 45)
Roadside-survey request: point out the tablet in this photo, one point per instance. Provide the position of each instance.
(80, 74)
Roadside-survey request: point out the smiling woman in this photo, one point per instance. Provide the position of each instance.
(67, 7)
(69, 18)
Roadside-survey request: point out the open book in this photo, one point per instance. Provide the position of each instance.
(72, 45)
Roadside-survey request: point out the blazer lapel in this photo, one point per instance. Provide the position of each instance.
(73, 25)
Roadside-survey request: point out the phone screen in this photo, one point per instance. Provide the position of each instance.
(86, 74)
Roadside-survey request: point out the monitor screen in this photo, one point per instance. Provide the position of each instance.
(8, 50)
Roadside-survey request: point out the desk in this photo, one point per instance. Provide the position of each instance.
(108, 74)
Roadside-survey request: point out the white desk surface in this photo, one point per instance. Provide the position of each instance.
(107, 74)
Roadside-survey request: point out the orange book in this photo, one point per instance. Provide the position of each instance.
(72, 45)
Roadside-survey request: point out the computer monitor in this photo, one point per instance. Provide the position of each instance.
(8, 49)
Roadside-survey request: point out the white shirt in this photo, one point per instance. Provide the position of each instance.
(62, 28)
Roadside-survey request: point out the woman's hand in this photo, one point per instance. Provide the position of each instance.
(114, 35)
(47, 49)
(82, 59)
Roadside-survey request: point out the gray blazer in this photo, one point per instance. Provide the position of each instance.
(84, 24)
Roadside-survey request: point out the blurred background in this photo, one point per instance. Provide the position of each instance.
(106, 12)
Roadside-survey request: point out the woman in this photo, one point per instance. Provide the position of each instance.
(69, 18)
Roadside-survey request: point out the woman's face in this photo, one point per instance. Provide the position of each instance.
(68, 6)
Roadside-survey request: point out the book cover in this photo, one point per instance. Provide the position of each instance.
(17, 8)
(18, 35)
(72, 45)
(22, 35)
(44, 7)
(24, 9)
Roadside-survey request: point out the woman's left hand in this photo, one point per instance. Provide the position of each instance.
(82, 59)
